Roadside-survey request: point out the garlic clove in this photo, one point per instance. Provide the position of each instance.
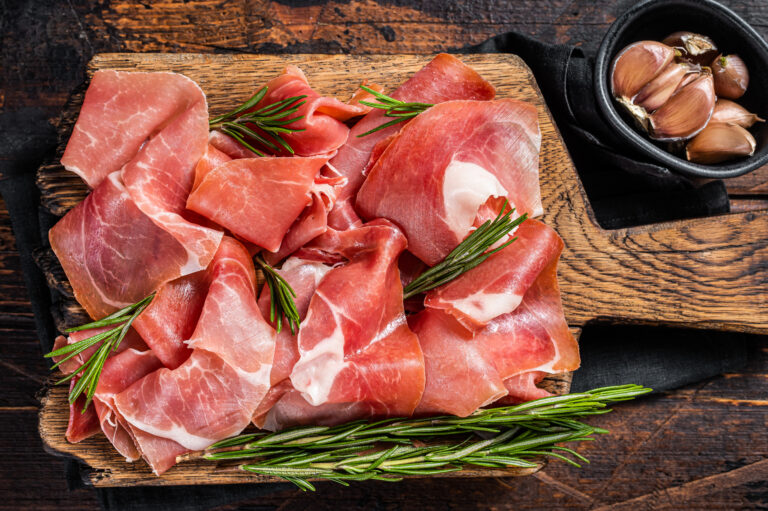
(731, 76)
(686, 112)
(720, 142)
(656, 92)
(636, 65)
(730, 112)
(695, 48)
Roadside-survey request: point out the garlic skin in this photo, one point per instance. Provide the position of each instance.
(730, 112)
(694, 48)
(636, 65)
(731, 76)
(720, 142)
(686, 112)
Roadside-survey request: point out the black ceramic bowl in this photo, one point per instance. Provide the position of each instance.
(654, 20)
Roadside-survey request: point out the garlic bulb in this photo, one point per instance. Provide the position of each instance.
(685, 113)
(638, 64)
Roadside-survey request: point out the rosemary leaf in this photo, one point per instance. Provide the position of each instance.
(475, 249)
(281, 294)
(392, 107)
(270, 121)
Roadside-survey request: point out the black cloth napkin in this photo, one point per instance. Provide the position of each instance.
(623, 188)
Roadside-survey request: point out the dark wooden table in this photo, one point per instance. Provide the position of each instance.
(703, 446)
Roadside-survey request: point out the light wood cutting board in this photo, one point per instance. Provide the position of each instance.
(704, 273)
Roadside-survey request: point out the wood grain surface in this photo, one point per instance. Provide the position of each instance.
(701, 447)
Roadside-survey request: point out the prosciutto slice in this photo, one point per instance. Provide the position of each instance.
(120, 371)
(113, 254)
(444, 78)
(439, 170)
(497, 286)
(322, 125)
(466, 371)
(303, 277)
(81, 425)
(120, 112)
(313, 221)
(257, 198)
(354, 344)
(160, 177)
(171, 318)
(214, 393)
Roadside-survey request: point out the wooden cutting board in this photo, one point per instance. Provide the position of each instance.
(703, 273)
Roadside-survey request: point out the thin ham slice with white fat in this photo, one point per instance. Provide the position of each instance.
(466, 371)
(113, 254)
(355, 344)
(160, 177)
(444, 78)
(215, 392)
(257, 198)
(303, 277)
(121, 371)
(497, 286)
(445, 164)
(120, 112)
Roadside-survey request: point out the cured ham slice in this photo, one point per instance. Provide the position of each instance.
(113, 254)
(322, 123)
(120, 112)
(444, 78)
(497, 286)
(215, 392)
(522, 388)
(313, 221)
(439, 170)
(120, 371)
(212, 158)
(160, 177)
(303, 277)
(354, 344)
(466, 372)
(81, 425)
(257, 198)
(171, 317)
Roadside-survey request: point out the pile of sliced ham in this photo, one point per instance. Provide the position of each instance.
(346, 220)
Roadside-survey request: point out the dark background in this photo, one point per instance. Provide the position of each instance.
(703, 446)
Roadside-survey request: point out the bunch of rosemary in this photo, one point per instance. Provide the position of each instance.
(264, 126)
(400, 110)
(511, 436)
(108, 342)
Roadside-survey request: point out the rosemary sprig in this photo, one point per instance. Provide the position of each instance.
(511, 436)
(109, 340)
(400, 110)
(281, 295)
(272, 120)
(468, 254)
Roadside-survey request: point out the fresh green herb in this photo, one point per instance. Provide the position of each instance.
(272, 120)
(468, 254)
(400, 110)
(281, 295)
(511, 436)
(108, 342)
